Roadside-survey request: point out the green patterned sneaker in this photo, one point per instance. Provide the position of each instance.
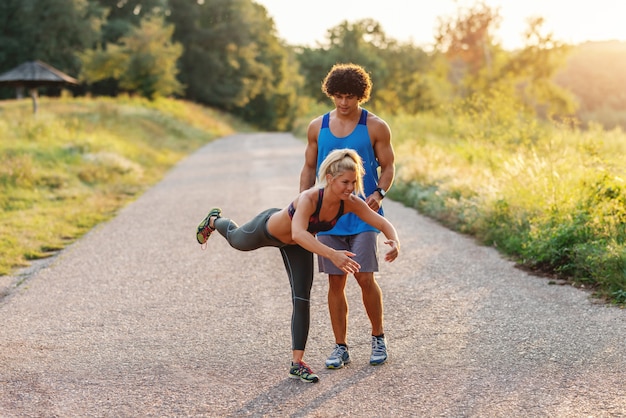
(303, 372)
(204, 230)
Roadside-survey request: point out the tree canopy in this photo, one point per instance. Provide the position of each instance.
(226, 54)
(143, 61)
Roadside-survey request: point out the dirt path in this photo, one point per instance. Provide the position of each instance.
(134, 320)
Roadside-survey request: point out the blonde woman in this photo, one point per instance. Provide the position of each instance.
(293, 229)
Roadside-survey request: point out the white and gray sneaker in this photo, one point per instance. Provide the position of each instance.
(338, 358)
(379, 351)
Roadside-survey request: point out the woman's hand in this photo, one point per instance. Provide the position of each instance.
(392, 254)
(342, 259)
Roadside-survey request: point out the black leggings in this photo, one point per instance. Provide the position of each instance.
(298, 263)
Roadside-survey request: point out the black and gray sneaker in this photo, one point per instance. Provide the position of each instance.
(303, 372)
(379, 351)
(338, 358)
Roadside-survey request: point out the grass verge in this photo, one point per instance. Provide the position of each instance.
(77, 161)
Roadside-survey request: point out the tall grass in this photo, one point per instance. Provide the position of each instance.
(550, 195)
(77, 161)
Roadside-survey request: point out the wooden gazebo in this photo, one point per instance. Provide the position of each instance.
(34, 74)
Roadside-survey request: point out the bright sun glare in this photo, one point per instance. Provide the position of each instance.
(305, 23)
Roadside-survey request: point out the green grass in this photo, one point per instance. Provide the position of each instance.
(77, 161)
(549, 195)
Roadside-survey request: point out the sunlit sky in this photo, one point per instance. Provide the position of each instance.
(305, 22)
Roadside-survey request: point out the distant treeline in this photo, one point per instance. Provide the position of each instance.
(227, 54)
(596, 74)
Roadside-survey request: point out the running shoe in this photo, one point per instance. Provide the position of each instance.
(204, 230)
(379, 351)
(303, 372)
(338, 358)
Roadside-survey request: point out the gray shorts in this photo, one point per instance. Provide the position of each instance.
(364, 245)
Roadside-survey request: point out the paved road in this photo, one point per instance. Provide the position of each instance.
(134, 320)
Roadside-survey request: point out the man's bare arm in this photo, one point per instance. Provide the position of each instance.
(307, 175)
(380, 135)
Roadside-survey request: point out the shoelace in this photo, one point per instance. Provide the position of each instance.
(378, 349)
(303, 367)
(338, 352)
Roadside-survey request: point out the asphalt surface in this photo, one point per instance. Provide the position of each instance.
(135, 320)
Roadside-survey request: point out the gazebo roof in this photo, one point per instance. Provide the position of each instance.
(35, 73)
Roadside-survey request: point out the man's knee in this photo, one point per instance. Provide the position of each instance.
(366, 280)
(336, 282)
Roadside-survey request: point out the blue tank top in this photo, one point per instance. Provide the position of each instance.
(358, 140)
(315, 224)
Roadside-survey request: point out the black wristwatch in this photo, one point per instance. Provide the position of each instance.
(381, 192)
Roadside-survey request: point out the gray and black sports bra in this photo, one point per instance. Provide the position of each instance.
(315, 225)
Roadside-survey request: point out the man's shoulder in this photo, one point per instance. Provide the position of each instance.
(317, 121)
(374, 119)
(314, 127)
(377, 124)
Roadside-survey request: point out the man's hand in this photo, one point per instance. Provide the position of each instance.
(373, 201)
(393, 253)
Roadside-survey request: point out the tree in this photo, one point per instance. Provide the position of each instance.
(123, 15)
(478, 66)
(410, 82)
(12, 22)
(233, 60)
(468, 42)
(144, 61)
(359, 42)
(398, 70)
(594, 73)
(48, 30)
(220, 65)
(535, 67)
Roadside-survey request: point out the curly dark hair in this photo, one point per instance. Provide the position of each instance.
(348, 79)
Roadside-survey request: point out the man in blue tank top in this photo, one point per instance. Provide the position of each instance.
(351, 126)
